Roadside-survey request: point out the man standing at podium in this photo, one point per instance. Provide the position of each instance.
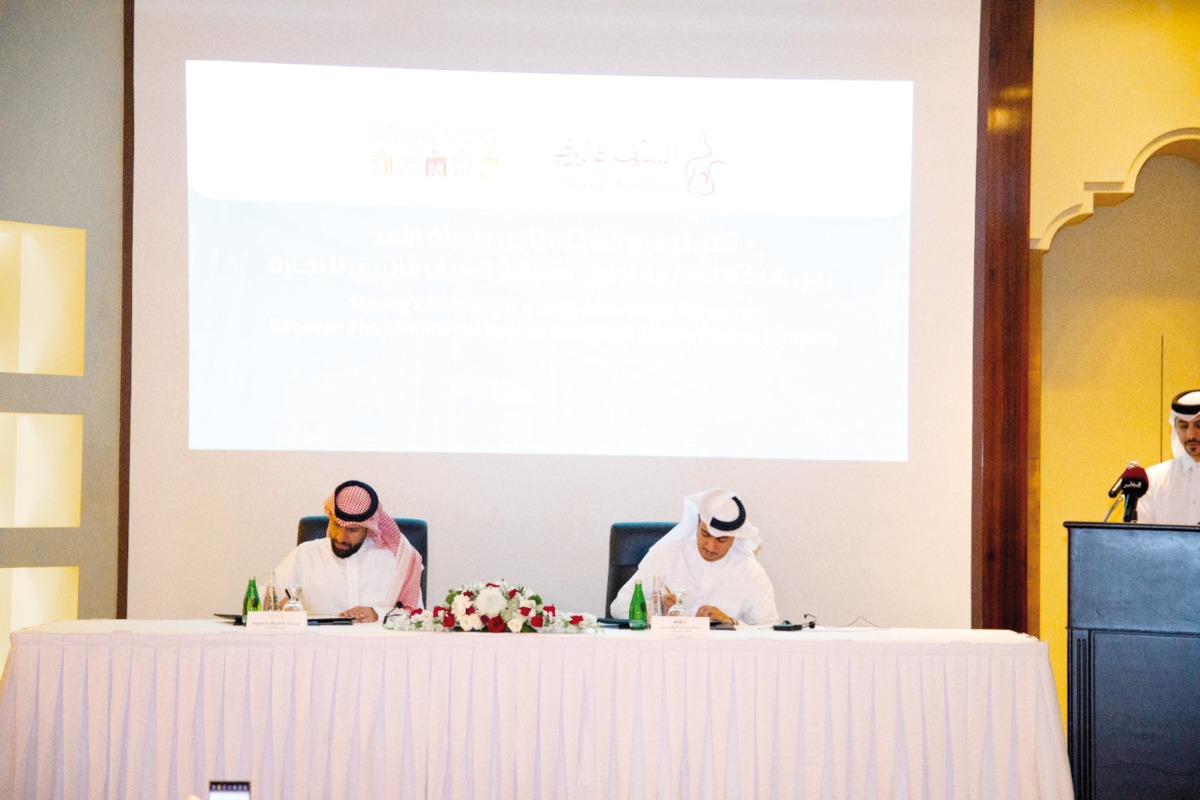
(1173, 497)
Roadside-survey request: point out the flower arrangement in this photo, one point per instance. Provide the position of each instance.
(495, 607)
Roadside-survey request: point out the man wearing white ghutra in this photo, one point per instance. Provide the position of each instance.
(710, 555)
(1173, 496)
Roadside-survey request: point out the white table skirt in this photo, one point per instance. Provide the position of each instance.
(116, 709)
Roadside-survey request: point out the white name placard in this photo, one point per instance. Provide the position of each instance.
(277, 621)
(680, 626)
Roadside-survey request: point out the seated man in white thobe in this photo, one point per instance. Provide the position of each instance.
(710, 556)
(363, 569)
(1173, 494)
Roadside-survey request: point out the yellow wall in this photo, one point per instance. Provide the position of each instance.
(1112, 81)
(1116, 86)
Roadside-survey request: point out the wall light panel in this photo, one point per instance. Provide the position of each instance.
(41, 470)
(42, 270)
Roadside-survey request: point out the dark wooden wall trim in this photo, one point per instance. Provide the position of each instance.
(126, 324)
(1000, 441)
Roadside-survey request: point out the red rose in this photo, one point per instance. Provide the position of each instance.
(495, 624)
(536, 621)
(549, 610)
(470, 610)
(438, 611)
(512, 593)
(525, 611)
(494, 585)
(576, 619)
(448, 620)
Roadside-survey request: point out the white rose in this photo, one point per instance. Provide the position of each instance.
(470, 622)
(490, 602)
(459, 605)
(516, 623)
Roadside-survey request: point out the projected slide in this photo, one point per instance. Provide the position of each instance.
(459, 262)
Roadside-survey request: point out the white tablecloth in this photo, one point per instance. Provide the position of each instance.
(116, 709)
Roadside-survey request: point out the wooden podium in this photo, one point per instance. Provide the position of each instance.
(1133, 628)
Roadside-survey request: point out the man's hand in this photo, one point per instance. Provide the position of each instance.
(360, 614)
(668, 599)
(712, 612)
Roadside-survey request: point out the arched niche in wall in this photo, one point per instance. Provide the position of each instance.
(1121, 287)
(1183, 142)
(1118, 330)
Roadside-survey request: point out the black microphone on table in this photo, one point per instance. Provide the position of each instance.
(1134, 483)
(398, 607)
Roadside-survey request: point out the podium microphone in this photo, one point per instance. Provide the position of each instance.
(1116, 487)
(1134, 483)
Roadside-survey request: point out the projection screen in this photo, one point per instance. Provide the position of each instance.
(534, 269)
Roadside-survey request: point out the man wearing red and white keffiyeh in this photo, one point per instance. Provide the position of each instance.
(365, 566)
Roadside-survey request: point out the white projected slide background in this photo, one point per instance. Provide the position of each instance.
(426, 261)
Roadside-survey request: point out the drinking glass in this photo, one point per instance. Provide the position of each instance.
(678, 610)
(656, 596)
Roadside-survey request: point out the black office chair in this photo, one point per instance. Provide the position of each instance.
(415, 530)
(627, 544)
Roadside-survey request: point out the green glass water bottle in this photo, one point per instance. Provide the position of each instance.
(250, 602)
(637, 608)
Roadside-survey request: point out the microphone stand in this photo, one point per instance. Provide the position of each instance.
(1131, 507)
(1112, 508)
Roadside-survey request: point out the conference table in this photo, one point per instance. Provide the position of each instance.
(156, 709)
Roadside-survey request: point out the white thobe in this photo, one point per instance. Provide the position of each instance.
(737, 584)
(331, 585)
(1173, 496)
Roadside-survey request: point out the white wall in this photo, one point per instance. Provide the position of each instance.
(887, 541)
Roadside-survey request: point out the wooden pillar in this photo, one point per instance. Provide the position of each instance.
(1000, 481)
